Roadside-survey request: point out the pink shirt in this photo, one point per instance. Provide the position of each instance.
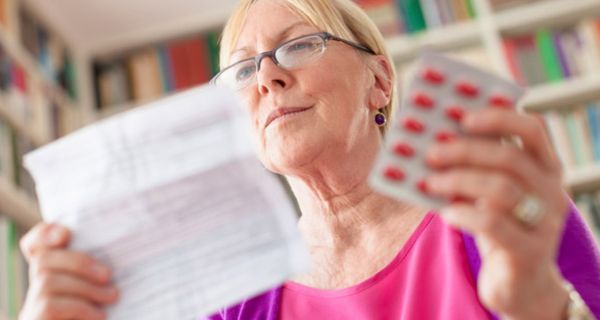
(428, 279)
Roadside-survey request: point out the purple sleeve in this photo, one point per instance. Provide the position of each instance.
(579, 260)
(262, 307)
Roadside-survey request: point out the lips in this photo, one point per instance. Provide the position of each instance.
(280, 112)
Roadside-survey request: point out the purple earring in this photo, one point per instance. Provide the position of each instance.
(380, 119)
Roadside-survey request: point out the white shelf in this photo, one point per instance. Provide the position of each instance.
(404, 47)
(562, 94)
(582, 178)
(529, 16)
(17, 205)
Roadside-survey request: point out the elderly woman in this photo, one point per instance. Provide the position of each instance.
(317, 82)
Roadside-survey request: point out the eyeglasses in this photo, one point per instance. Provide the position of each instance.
(288, 55)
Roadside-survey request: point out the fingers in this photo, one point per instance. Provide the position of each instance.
(64, 308)
(530, 129)
(66, 261)
(485, 154)
(44, 235)
(486, 223)
(496, 190)
(53, 284)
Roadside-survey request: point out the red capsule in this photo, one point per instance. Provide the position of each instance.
(455, 113)
(413, 125)
(404, 150)
(501, 102)
(467, 89)
(422, 186)
(433, 76)
(445, 136)
(423, 101)
(394, 174)
(459, 199)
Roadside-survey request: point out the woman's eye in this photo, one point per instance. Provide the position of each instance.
(300, 46)
(244, 73)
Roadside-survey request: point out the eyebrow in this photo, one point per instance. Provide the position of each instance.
(282, 35)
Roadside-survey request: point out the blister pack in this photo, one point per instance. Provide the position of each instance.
(436, 98)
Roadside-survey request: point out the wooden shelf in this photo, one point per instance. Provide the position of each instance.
(17, 205)
(522, 18)
(562, 94)
(405, 47)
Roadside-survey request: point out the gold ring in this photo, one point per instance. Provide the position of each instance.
(529, 211)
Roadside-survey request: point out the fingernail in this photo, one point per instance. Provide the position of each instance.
(54, 235)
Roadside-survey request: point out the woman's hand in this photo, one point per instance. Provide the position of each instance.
(63, 284)
(519, 273)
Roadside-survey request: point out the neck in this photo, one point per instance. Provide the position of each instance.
(340, 210)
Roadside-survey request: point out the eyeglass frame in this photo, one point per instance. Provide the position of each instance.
(326, 36)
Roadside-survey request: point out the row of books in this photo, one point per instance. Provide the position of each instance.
(13, 270)
(28, 101)
(151, 72)
(550, 55)
(410, 16)
(13, 146)
(575, 133)
(50, 52)
(589, 207)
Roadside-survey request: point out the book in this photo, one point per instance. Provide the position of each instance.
(431, 13)
(166, 69)
(511, 53)
(583, 134)
(550, 60)
(575, 138)
(199, 61)
(143, 68)
(593, 118)
(413, 15)
(179, 65)
(213, 48)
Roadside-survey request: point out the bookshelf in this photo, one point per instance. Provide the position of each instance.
(106, 41)
(485, 31)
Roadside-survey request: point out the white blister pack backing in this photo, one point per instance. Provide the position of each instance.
(435, 100)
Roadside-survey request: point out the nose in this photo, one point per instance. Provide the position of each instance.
(271, 77)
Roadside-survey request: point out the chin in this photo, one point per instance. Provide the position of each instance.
(285, 158)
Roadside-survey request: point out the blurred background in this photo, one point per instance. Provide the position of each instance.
(68, 63)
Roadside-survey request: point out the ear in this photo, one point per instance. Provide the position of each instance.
(381, 88)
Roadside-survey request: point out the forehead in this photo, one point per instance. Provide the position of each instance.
(267, 23)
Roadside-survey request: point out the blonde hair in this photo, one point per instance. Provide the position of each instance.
(342, 18)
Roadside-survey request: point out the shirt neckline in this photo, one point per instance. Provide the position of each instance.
(371, 281)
